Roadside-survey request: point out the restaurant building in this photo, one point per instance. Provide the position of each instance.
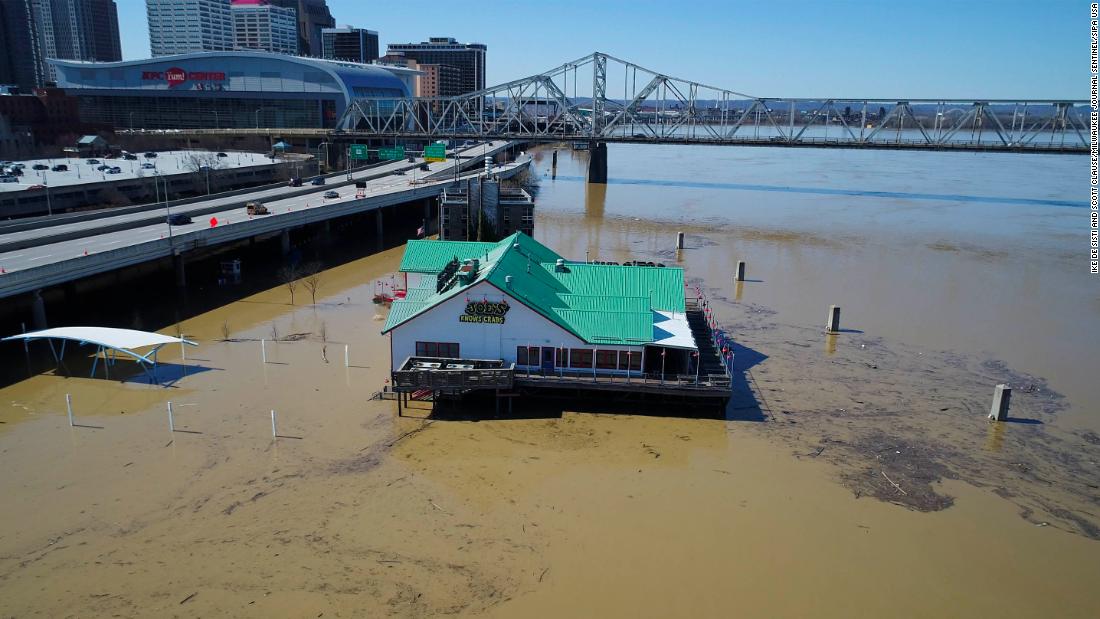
(237, 89)
(516, 314)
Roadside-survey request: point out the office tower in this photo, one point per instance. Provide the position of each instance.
(180, 26)
(21, 60)
(313, 17)
(262, 26)
(347, 43)
(468, 58)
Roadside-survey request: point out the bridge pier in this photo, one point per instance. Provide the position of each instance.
(181, 270)
(38, 310)
(284, 240)
(597, 163)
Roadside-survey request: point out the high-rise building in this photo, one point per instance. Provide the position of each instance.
(180, 26)
(21, 60)
(347, 43)
(263, 26)
(80, 30)
(468, 58)
(313, 17)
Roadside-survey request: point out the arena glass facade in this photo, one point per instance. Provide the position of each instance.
(207, 90)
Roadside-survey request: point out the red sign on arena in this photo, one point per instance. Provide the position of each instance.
(176, 76)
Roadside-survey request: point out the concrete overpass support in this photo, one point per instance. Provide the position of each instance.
(378, 224)
(181, 270)
(284, 240)
(38, 310)
(597, 163)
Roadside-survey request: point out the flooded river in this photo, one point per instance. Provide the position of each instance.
(854, 474)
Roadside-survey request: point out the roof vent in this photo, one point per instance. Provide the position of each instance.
(508, 281)
(559, 266)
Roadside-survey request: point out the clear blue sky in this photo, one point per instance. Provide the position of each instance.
(796, 48)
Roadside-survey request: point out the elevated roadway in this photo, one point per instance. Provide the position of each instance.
(48, 255)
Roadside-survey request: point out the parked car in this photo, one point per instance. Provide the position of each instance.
(412, 159)
(37, 187)
(179, 219)
(8, 178)
(114, 170)
(18, 166)
(222, 155)
(92, 161)
(150, 155)
(60, 168)
(147, 166)
(295, 182)
(317, 180)
(331, 195)
(130, 157)
(424, 166)
(256, 208)
(14, 171)
(40, 166)
(103, 167)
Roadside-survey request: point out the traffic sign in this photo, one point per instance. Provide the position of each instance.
(397, 153)
(435, 152)
(358, 151)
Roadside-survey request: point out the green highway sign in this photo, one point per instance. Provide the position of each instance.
(435, 152)
(357, 151)
(396, 153)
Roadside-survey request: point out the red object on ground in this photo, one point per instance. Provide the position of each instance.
(213, 221)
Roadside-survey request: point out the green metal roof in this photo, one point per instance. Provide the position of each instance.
(600, 304)
(428, 256)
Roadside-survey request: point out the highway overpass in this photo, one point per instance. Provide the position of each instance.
(35, 255)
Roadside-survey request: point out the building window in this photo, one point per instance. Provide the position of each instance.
(437, 349)
(580, 358)
(607, 359)
(524, 354)
(630, 360)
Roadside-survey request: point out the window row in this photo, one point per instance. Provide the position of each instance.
(580, 358)
(437, 349)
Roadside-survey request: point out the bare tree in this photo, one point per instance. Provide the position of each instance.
(289, 275)
(225, 330)
(312, 281)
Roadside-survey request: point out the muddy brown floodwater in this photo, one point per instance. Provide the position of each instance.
(853, 475)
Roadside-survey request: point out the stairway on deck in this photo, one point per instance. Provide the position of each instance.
(708, 354)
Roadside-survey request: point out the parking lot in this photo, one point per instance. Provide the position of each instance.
(166, 162)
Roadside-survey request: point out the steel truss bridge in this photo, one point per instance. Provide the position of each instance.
(600, 98)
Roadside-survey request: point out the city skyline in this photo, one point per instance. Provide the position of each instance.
(832, 49)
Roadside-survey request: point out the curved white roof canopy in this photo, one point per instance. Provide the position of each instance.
(119, 339)
(125, 341)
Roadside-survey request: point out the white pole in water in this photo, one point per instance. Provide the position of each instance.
(171, 423)
(347, 359)
(69, 405)
(263, 350)
(274, 433)
(183, 350)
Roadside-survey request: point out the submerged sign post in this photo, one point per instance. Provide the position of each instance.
(396, 153)
(358, 151)
(435, 152)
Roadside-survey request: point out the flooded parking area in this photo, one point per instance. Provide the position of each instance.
(852, 474)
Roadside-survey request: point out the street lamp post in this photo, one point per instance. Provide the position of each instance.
(167, 210)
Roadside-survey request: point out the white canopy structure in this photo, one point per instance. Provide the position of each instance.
(125, 341)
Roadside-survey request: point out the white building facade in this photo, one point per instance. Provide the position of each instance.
(181, 26)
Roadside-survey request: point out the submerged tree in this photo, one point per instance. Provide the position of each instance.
(289, 276)
(312, 281)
